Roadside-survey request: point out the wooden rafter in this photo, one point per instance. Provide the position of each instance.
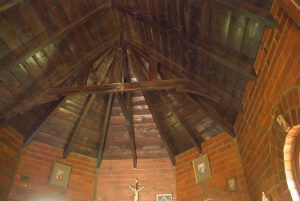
(121, 87)
(87, 105)
(187, 129)
(78, 124)
(8, 4)
(203, 85)
(10, 62)
(249, 10)
(213, 114)
(34, 98)
(129, 121)
(162, 134)
(43, 122)
(104, 129)
(227, 126)
(191, 134)
(153, 68)
(223, 57)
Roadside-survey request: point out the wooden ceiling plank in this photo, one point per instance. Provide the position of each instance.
(172, 65)
(120, 87)
(77, 126)
(153, 68)
(214, 52)
(43, 122)
(249, 10)
(104, 129)
(9, 4)
(213, 114)
(162, 134)
(129, 121)
(187, 128)
(14, 61)
(33, 98)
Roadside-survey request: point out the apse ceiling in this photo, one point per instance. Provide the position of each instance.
(127, 78)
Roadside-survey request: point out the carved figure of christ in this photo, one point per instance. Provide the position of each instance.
(136, 190)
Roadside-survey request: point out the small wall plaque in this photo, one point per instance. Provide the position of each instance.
(232, 185)
(60, 175)
(283, 123)
(201, 169)
(164, 197)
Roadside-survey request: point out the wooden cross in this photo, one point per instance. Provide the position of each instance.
(136, 189)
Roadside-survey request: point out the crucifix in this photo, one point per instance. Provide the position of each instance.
(136, 189)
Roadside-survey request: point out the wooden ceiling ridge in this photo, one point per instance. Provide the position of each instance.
(238, 65)
(34, 96)
(11, 62)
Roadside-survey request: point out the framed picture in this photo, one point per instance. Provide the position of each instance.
(60, 175)
(202, 169)
(232, 185)
(164, 197)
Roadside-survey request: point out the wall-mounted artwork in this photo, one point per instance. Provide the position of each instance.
(60, 175)
(164, 197)
(232, 184)
(201, 169)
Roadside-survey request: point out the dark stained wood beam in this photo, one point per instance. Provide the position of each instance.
(201, 86)
(162, 134)
(104, 129)
(249, 10)
(129, 121)
(153, 68)
(121, 87)
(187, 128)
(214, 52)
(43, 122)
(211, 112)
(9, 4)
(78, 124)
(12, 61)
(34, 98)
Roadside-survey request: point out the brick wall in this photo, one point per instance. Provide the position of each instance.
(225, 162)
(10, 143)
(158, 176)
(277, 91)
(36, 162)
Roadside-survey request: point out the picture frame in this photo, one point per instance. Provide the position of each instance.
(202, 169)
(232, 184)
(60, 175)
(164, 197)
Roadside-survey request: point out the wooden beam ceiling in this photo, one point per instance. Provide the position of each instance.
(77, 126)
(162, 134)
(121, 87)
(34, 98)
(43, 121)
(202, 85)
(249, 10)
(12, 61)
(214, 52)
(212, 113)
(129, 123)
(8, 4)
(104, 129)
